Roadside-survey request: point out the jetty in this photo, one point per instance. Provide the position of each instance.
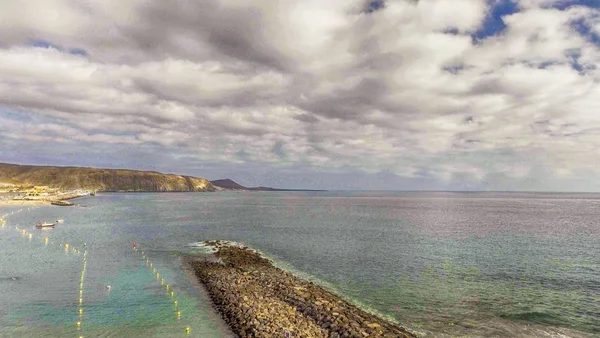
(62, 203)
(258, 299)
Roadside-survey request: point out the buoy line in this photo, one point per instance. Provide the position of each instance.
(170, 292)
(28, 234)
(79, 323)
(67, 248)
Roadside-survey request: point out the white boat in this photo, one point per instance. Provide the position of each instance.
(45, 225)
(60, 221)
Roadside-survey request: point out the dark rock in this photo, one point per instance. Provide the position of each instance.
(258, 300)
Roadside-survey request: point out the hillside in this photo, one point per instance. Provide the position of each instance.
(73, 178)
(228, 184)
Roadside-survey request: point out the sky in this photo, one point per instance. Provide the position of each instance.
(337, 94)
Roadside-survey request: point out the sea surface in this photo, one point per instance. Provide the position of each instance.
(442, 264)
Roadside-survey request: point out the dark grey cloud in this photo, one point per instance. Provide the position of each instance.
(190, 30)
(353, 103)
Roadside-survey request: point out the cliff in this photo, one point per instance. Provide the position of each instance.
(72, 178)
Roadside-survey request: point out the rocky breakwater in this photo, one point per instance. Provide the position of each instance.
(259, 300)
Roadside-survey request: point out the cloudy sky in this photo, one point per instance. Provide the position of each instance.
(335, 94)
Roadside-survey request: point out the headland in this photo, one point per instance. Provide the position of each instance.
(26, 184)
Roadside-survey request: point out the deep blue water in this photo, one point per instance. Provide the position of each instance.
(443, 264)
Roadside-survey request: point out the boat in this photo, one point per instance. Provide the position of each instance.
(60, 221)
(40, 225)
(62, 203)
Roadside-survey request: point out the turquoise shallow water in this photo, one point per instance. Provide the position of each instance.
(443, 264)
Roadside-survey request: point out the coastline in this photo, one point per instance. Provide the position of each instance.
(258, 299)
(8, 203)
(40, 201)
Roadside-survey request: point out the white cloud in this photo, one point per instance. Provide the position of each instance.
(310, 83)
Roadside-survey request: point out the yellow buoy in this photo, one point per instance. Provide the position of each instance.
(67, 246)
(80, 300)
(78, 324)
(175, 302)
(187, 329)
(80, 311)
(46, 239)
(172, 294)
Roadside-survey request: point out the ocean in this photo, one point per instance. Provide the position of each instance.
(442, 264)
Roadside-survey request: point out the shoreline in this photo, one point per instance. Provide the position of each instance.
(8, 203)
(188, 270)
(258, 299)
(42, 201)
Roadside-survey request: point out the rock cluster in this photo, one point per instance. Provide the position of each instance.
(259, 300)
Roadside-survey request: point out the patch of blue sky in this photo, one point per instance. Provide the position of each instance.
(574, 55)
(494, 23)
(565, 4)
(77, 51)
(375, 5)
(46, 44)
(546, 64)
(584, 28)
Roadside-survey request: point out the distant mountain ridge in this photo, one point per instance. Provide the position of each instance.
(229, 184)
(73, 178)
